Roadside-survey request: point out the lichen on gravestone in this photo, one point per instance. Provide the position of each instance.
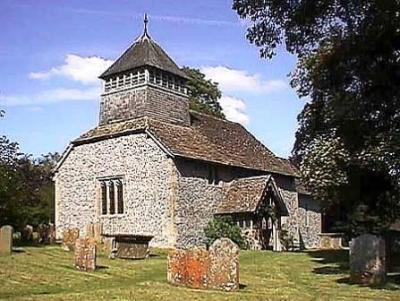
(85, 254)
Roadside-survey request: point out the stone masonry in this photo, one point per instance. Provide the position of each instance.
(161, 163)
(148, 193)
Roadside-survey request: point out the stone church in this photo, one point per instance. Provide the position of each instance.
(154, 168)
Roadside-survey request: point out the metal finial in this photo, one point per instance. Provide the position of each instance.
(145, 23)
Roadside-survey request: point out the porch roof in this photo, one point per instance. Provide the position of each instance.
(244, 195)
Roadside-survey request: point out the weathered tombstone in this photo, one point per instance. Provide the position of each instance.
(27, 233)
(43, 231)
(85, 254)
(52, 234)
(89, 230)
(189, 267)
(6, 236)
(224, 267)
(198, 268)
(69, 238)
(367, 260)
(97, 231)
(35, 237)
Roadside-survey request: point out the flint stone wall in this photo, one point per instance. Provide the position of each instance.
(169, 199)
(85, 254)
(368, 260)
(197, 200)
(6, 240)
(146, 173)
(299, 206)
(217, 268)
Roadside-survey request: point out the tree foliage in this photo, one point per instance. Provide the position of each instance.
(348, 141)
(221, 227)
(204, 94)
(26, 187)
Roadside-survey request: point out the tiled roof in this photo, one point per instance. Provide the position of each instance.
(245, 194)
(208, 139)
(144, 52)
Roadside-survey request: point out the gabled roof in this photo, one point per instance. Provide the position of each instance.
(244, 195)
(208, 139)
(144, 52)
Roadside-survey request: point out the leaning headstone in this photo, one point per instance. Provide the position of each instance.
(224, 265)
(85, 254)
(367, 260)
(6, 236)
(69, 238)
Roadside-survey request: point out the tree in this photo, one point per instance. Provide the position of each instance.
(348, 141)
(203, 93)
(221, 227)
(26, 187)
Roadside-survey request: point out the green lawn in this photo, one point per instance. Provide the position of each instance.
(46, 273)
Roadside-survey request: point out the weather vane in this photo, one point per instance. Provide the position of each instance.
(145, 23)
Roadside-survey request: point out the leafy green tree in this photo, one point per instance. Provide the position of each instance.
(26, 187)
(221, 227)
(348, 141)
(203, 93)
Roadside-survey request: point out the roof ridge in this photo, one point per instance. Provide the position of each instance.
(212, 116)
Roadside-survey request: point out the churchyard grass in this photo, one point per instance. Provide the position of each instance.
(47, 273)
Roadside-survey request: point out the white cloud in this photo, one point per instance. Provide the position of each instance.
(234, 109)
(84, 70)
(233, 80)
(51, 96)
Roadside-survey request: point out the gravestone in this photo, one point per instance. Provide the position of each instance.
(217, 268)
(27, 233)
(69, 238)
(52, 234)
(89, 230)
(224, 266)
(85, 254)
(367, 260)
(97, 232)
(6, 236)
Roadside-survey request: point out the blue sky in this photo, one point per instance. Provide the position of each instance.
(52, 51)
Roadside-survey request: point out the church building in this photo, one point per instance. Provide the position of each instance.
(154, 168)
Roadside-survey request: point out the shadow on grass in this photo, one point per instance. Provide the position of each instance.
(392, 283)
(334, 261)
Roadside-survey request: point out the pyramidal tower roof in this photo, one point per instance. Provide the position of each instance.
(143, 52)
